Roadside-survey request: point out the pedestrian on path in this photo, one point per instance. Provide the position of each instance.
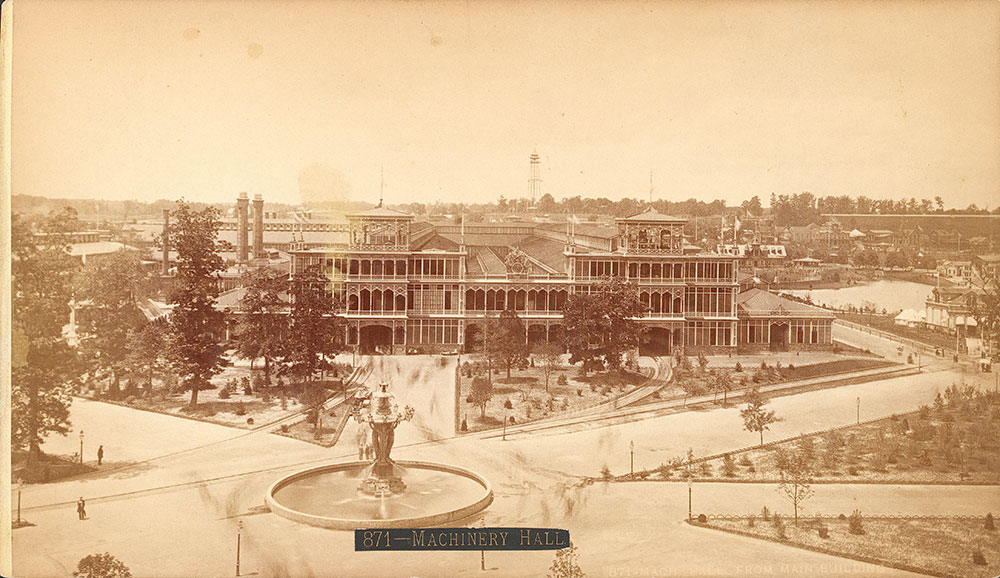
(100, 454)
(81, 508)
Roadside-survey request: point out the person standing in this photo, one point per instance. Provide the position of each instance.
(81, 508)
(100, 454)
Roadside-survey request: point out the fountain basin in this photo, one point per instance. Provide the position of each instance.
(328, 496)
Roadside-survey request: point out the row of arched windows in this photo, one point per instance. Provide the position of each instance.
(662, 303)
(376, 300)
(516, 299)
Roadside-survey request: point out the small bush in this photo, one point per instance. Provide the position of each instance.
(978, 558)
(465, 425)
(579, 392)
(249, 421)
(606, 473)
(751, 521)
(824, 532)
(855, 523)
(240, 410)
(989, 525)
(224, 393)
(744, 461)
(702, 518)
(728, 466)
(284, 428)
(765, 513)
(508, 405)
(841, 517)
(561, 380)
(738, 368)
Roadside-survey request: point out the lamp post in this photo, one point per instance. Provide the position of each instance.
(239, 532)
(505, 425)
(859, 410)
(690, 485)
(81, 447)
(631, 458)
(19, 484)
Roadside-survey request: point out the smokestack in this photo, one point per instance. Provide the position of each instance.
(242, 228)
(258, 227)
(165, 265)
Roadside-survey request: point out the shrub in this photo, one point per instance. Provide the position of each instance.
(224, 393)
(705, 469)
(824, 532)
(728, 466)
(744, 461)
(247, 388)
(606, 473)
(249, 421)
(702, 518)
(102, 566)
(579, 392)
(284, 428)
(508, 405)
(765, 513)
(855, 523)
(465, 425)
(738, 368)
(978, 558)
(468, 399)
(842, 517)
(791, 367)
(989, 525)
(240, 410)
(751, 521)
(779, 527)
(561, 380)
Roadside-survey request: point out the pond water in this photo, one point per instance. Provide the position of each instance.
(894, 296)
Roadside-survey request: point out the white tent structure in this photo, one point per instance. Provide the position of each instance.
(910, 317)
(856, 234)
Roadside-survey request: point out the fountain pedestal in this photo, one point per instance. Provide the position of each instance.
(383, 416)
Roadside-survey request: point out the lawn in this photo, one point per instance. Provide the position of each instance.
(936, 546)
(954, 440)
(529, 399)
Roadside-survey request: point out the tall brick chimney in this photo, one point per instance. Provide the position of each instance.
(242, 228)
(258, 227)
(165, 265)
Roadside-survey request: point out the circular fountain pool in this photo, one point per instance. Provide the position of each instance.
(329, 497)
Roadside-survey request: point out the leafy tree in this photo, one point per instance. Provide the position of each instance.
(195, 323)
(101, 566)
(565, 564)
(601, 326)
(315, 335)
(504, 340)
(756, 417)
(110, 288)
(45, 366)
(796, 480)
(148, 351)
(262, 327)
(481, 392)
(549, 357)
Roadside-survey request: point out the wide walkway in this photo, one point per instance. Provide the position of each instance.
(177, 515)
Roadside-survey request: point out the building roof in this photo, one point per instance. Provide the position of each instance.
(380, 212)
(95, 248)
(652, 215)
(760, 303)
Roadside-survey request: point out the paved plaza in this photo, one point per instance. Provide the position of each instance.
(168, 500)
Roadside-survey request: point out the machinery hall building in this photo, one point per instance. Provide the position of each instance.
(411, 286)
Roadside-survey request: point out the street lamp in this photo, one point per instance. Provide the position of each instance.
(81, 447)
(690, 485)
(631, 458)
(859, 410)
(239, 531)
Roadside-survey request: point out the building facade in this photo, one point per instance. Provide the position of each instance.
(417, 287)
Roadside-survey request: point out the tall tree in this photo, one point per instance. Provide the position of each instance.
(603, 325)
(756, 416)
(481, 391)
(45, 366)
(196, 325)
(108, 288)
(504, 340)
(148, 352)
(549, 356)
(315, 335)
(263, 324)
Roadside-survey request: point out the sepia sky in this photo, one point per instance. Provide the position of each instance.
(299, 100)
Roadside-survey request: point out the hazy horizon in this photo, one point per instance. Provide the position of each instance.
(312, 101)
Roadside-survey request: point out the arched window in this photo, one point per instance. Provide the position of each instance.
(366, 300)
(366, 267)
(377, 268)
(400, 302)
(376, 299)
(390, 268)
(352, 303)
